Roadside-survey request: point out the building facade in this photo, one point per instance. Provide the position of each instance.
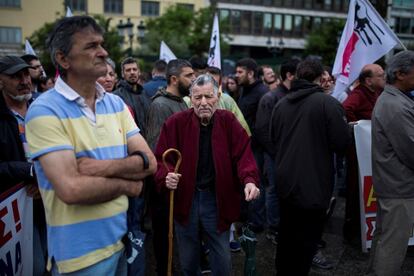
(20, 18)
(259, 27)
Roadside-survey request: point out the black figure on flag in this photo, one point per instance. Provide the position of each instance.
(364, 25)
(212, 50)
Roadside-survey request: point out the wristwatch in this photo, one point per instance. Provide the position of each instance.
(143, 156)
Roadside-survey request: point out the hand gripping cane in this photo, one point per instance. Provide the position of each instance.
(170, 230)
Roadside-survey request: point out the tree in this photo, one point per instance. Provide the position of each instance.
(111, 42)
(185, 32)
(323, 41)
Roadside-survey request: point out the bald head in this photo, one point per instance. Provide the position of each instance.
(373, 77)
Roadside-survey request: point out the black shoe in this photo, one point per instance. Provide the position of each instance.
(320, 261)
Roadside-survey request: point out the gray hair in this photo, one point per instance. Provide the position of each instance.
(202, 80)
(60, 39)
(403, 62)
(111, 63)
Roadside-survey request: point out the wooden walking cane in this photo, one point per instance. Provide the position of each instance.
(171, 215)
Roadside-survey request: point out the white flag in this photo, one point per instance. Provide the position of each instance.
(214, 55)
(68, 12)
(28, 49)
(166, 53)
(365, 38)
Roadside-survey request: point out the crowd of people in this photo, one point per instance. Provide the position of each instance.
(258, 149)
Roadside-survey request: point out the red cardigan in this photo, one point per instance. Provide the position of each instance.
(360, 103)
(234, 163)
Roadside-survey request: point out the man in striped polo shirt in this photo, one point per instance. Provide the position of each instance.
(89, 156)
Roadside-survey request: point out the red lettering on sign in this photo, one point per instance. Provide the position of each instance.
(370, 227)
(4, 237)
(16, 215)
(370, 200)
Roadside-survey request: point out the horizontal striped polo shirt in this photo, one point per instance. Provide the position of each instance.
(80, 235)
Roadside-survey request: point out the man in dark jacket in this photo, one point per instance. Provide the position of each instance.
(307, 128)
(165, 103)
(264, 112)
(158, 80)
(133, 94)
(253, 90)
(15, 163)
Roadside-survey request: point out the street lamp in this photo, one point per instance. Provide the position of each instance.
(141, 31)
(277, 48)
(127, 29)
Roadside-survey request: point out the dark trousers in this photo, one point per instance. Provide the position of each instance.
(300, 230)
(159, 216)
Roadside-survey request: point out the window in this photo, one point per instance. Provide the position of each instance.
(189, 7)
(277, 2)
(113, 6)
(317, 4)
(299, 3)
(149, 8)
(277, 24)
(337, 5)
(76, 5)
(316, 23)
(404, 3)
(267, 23)
(308, 4)
(404, 25)
(307, 25)
(224, 15)
(10, 35)
(235, 21)
(328, 5)
(257, 23)
(288, 24)
(245, 22)
(288, 3)
(10, 3)
(297, 28)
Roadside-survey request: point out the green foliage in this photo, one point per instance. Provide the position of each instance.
(323, 41)
(187, 33)
(111, 44)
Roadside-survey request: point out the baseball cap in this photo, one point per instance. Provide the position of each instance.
(10, 65)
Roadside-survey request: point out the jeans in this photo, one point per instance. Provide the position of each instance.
(272, 200)
(256, 208)
(115, 265)
(203, 214)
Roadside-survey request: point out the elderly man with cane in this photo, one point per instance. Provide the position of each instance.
(217, 163)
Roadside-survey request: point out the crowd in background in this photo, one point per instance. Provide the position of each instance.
(268, 149)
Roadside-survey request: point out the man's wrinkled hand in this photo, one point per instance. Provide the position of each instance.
(171, 180)
(251, 192)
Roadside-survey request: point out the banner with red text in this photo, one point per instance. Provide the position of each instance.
(16, 232)
(367, 199)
